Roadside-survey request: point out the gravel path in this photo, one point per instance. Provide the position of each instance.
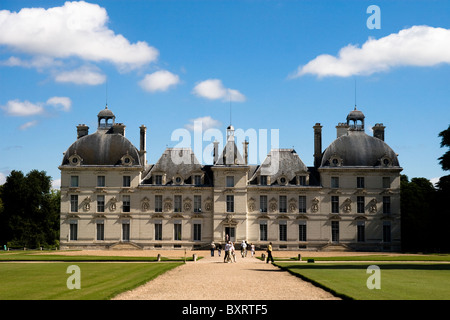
(212, 279)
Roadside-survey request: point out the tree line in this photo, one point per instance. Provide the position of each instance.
(30, 210)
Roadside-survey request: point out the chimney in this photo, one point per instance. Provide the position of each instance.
(378, 131)
(82, 130)
(118, 128)
(143, 143)
(341, 129)
(317, 145)
(216, 151)
(245, 143)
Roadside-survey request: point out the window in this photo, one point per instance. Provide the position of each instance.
(263, 180)
(360, 204)
(302, 231)
(283, 204)
(126, 181)
(263, 203)
(100, 203)
(360, 231)
(387, 205)
(158, 179)
(230, 203)
(126, 230)
(283, 230)
(73, 231)
(177, 203)
(360, 182)
(334, 204)
(74, 181)
(197, 231)
(100, 181)
(197, 203)
(126, 203)
(263, 230)
(230, 181)
(158, 203)
(198, 180)
(74, 203)
(302, 180)
(335, 231)
(335, 182)
(386, 182)
(302, 204)
(100, 230)
(158, 230)
(386, 231)
(177, 231)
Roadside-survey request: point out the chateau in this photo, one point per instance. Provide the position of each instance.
(349, 199)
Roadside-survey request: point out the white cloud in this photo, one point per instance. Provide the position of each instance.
(22, 108)
(416, 46)
(202, 123)
(38, 62)
(28, 124)
(62, 103)
(213, 89)
(159, 81)
(56, 184)
(85, 75)
(2, 178)
(76, 29)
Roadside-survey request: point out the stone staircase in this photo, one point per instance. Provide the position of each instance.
(125, 246)
(336, 247)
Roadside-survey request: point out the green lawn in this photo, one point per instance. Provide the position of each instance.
(99, 281)
(399, 281)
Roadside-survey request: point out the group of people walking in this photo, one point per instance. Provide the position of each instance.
(230, 250)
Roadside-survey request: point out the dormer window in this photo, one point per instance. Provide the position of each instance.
(75, 160)
(127, 160)
(263, 180)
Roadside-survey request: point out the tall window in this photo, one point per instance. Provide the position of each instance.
(360, 231)
(386, 231)
(335, 231)
(126, 181)
(283, 230)
(334, 204)
(158, 179)
(302, 231)
(74, 203)
(302, 204)
(302, 180)
(387, 205)
(177, 203)
(263, 230)
(100, 181)
(283, 204)
(263, 180)
(198, 180)
(230, 181)
(101, 203)
(100, 230)
(360, 182)
(126, 230)
(230, 203)
(386, 182)
(158, 203)
(177, 230)
(197, 203)
(74, 181)
(158, 230)
(263, 203)
(197, 231)
(360, 204)
(335, 182)
(73, 230)
(126, 203)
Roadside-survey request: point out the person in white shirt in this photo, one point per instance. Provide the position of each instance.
(243, 249)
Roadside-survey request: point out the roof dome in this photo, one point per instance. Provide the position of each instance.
(102, 148)
(106, 113)
(356, 148)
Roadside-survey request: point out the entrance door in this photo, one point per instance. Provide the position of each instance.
(335, 231)
(125, 232)
(231, 232)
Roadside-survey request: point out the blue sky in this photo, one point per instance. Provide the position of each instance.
(280, 65)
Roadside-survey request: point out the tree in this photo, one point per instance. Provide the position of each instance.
(444, 161)
(30, 210)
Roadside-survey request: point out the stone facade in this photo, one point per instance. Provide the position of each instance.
(349, 199)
